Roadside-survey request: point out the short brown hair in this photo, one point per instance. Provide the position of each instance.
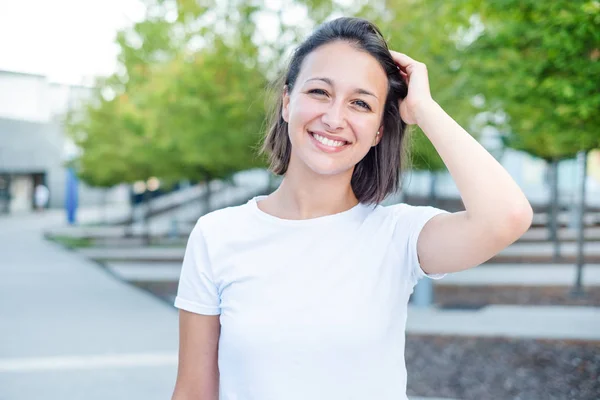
(378, 174)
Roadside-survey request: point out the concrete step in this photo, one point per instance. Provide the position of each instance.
(564, 235)
(517, 253)
(564, 219)
(429, 398)
(145, 272)
(543, 253)
(484, 275)
(535, 322)
(133, 254)
(522, 275)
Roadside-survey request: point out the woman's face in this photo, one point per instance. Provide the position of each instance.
(335, 109)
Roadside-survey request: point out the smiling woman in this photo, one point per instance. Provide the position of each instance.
(303, 294)
(343, 84)
(335, 97)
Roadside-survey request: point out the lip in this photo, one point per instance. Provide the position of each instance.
(324, 147)
(332, 137)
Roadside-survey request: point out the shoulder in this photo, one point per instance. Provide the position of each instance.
(411, 217)
(222, 218)
(221, 224)
(401, 210)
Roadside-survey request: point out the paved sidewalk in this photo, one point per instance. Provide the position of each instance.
(71, 331)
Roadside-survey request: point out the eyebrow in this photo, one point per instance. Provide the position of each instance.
(330, 82)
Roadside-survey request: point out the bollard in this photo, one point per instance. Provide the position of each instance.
(423, 293)
(174, 231)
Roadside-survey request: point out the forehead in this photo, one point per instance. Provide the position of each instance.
(346, 66)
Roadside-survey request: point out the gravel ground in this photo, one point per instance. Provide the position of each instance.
(471, 296)
(487, 368)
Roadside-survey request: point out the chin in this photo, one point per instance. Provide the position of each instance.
(329, 168)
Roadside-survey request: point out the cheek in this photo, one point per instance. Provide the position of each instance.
(366, 128)
(304, 110)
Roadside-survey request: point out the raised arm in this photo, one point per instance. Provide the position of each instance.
(497, 212)
(198, 372)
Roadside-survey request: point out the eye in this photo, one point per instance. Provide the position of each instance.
(362, 104)
(318, 91)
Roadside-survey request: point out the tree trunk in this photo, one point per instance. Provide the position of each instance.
(582, 161)
(554, 210)
(129, 227)
(146, 234)
(207, 195)
(104, 206)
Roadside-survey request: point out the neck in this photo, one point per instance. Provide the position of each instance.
(305, 195)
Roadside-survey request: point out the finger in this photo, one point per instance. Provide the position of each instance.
(402, 59)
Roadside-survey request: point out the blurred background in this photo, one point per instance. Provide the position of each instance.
(122, 122)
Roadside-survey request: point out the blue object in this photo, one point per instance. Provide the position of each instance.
(71, 198)
(423, 293)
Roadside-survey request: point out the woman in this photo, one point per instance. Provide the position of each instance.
(302, 294)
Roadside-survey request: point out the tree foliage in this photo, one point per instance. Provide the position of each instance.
(539, 61)
(186, 102)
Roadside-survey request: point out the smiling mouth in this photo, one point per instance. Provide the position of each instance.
(328, 142)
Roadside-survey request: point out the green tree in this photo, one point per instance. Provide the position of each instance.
(421, 30)
(206, 112)
(185, 103)
(539, 62)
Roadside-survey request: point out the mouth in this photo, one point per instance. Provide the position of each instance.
(328, 144)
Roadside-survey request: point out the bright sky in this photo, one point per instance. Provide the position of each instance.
(69, 41)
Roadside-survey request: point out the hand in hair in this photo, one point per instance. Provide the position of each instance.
(419, 94)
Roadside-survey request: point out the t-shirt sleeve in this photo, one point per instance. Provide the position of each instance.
(410, 223)
(197, 291)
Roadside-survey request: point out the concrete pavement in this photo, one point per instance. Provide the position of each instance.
(69, 330)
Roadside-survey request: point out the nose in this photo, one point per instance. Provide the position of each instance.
(334, 117)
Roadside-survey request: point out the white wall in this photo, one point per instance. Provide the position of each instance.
(23, 96)
(34, 140)
(32, 98)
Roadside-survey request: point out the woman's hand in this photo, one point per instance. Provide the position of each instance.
(419, 94)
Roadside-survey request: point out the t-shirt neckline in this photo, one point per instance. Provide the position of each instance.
(253, 203)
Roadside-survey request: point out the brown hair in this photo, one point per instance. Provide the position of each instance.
(378, 174)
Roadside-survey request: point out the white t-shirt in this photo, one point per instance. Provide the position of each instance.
(309, 309)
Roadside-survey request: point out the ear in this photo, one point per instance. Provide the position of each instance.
(378, 137)
(285, 109)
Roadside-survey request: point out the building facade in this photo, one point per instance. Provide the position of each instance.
(33, 146)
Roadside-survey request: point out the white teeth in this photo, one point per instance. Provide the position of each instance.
(328, 142)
